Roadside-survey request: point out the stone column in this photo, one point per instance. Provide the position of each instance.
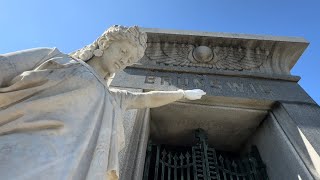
(301, 124)
(281, 159)
(132, 156)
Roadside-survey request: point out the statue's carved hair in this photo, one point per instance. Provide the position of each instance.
(115, 33)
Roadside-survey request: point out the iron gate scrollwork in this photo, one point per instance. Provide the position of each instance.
(201, 162)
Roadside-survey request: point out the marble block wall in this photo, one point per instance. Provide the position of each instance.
(281, 159)
(136, 128)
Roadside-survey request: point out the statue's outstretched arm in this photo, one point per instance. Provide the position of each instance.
(160, 98)
(15, 63)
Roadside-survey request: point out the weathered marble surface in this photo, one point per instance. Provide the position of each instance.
(281, 159)
(301, 123)
(244, 83)
(129, 123)
(239, 53)
(59, 119)
(58, 115)
(227, 128)
(133, 155)
(216, 86)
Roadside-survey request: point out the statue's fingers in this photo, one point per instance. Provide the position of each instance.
(202, 92)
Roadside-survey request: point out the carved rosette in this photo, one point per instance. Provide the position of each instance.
(218, 57)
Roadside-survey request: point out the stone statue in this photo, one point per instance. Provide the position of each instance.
(58, 117)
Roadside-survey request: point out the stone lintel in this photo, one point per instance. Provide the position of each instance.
(253, 93)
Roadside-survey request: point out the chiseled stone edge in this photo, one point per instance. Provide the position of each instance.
(224, 35)
(285, 51)
(219, 72)
(300, 122)
(132, 157)
(280, 157)
(257, 90)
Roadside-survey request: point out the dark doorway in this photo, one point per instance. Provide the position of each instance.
(201, 162)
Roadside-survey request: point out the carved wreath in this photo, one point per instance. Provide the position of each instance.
(229, 58)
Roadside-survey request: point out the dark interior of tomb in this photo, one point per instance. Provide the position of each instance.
(222, 154)
(200, 161)
(227, 128)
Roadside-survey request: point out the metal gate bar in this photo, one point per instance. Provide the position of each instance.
(203, 163)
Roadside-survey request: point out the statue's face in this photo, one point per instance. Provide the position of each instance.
(118, 55)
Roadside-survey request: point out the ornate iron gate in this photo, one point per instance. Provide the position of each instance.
(203, 163)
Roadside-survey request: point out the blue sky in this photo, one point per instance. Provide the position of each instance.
(70, 24)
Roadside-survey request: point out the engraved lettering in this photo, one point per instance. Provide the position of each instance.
(253, 88)
(215, 85)
(260, 87)
(183, 81)
(198, 83)
(165, 79)
(235, 87)
(266, 90)
(150, 79)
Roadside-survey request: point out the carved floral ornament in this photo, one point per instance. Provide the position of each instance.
(228, 58)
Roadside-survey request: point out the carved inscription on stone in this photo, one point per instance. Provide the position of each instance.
(214, 85)
(189, 55)
(209, 84)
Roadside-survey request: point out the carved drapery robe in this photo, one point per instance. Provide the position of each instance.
(58, 119)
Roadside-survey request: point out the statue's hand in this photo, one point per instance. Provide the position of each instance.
(193, 94)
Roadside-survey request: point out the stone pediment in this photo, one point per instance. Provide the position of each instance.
(222, 53)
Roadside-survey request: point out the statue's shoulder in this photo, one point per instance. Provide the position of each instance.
(37, 53)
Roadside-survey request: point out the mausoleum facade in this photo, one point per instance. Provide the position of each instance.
(252, 100)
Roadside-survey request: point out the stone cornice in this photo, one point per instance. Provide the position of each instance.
(222, 53)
